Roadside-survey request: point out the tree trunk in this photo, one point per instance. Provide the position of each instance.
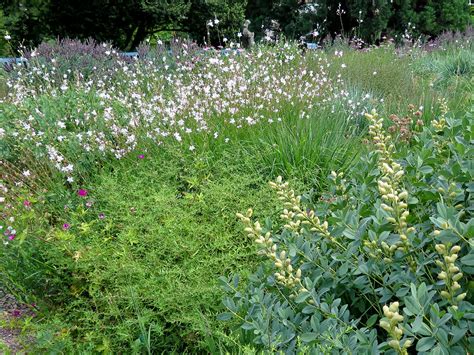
(138, 36)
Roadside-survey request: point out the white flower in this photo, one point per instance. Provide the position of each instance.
(216, 21)
(239, 34)
(192, 148)
(7, 37)
(343, 65)
(2, 199)
(26, 173)
(374, 73)
(70, 179)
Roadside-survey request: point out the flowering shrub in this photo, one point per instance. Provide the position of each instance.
(72, 120)
(382, 261)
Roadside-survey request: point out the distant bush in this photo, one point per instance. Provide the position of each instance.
(381, 262)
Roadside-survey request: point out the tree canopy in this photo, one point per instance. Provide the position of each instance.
(126, 23)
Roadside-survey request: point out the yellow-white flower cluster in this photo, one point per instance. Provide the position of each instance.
(440, 124)
(286, 275)
(391, 324)
(394, 196)
(450, 274)
(296, 218)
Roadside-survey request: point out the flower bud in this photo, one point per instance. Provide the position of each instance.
(394, 306)
(403, 195)
(456, 286)
(407, 343)
(384, 324)
(398, 317)
(457, 277)
(444, 294)
(453, 269)
(399, 174)
(442, 275)
(461, 296)
(394, 343)
(440, 248)
(455, 249)
(437, 232)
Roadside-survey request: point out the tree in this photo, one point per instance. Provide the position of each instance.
(124, 22)
(26, 20)
(230, 15)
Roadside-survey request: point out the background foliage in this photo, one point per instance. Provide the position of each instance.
(127, 23)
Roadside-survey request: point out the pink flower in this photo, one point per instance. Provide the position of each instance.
(26, 203)
(82, 193)
(66, 226)
(12, 236)
(141, 156)
(101, 215)
(16, 313)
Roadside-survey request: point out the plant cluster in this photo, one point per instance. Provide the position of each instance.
(71, 119)
(120, 179)
(382, 262)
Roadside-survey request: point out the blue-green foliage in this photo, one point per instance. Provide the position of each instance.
(346, 280)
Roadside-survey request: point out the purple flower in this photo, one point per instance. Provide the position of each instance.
(12, 236)
(101, 215)
(16, 313)
(141, 156)
(82, 192)
(26, 203)
(89, 204)
(66, 226)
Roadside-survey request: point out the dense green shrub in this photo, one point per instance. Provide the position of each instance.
(368, 20)
(382, 261)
